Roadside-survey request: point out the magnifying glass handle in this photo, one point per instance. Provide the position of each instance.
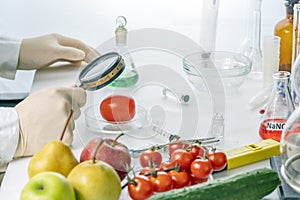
(66, 124)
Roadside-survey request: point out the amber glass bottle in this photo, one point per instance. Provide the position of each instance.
(284, 29)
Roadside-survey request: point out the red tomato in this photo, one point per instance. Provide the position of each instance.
(162, 182)
(199, 151)
(201, 168)
(183, 158)
(151, 158)
(218, 160)
(177, 145)
(180, 179)
(195, 180)
(147, 170)
(165, 165)
(117, 108)
(140, 188)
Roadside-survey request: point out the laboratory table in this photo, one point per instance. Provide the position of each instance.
(241, 128)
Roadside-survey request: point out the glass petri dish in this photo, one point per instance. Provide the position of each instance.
(141, 121)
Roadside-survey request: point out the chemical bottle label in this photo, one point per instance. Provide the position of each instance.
(275, 126)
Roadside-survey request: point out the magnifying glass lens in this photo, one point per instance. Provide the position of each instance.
(101, 71)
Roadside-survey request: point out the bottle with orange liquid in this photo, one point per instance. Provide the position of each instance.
(279, 107)
(284, 29)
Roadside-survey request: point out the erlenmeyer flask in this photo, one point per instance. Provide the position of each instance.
(279, 107)
(130, 76)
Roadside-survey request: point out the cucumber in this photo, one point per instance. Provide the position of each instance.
(250, 185)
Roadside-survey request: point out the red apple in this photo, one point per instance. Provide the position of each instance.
(112, 152)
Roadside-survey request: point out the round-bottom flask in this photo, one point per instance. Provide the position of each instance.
(290, 151)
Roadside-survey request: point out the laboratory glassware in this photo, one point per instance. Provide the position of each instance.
(251, 45)
(278, 108)
(290, 140)
(284, 29)
(232, 68)
(296, 33)
(271, 46)
(290, 151)
(130, 76)
(209, 21)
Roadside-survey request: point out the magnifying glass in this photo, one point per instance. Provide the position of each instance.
(101, 71)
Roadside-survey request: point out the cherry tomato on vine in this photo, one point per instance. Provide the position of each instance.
(161, 182)
(147, 170)
(180, 179)
(183, 158)
(195, 180)
(151, 158)
(173, 146)
(166, 165)
(201, 168)
(140, 187)
(218, 160)
(117, 108)
(198, 151)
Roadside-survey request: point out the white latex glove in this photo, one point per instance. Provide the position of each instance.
(42, 117)
(39, 52)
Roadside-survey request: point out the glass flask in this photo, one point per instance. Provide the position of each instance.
(129, 77)
(290, 151)
(278, 109)
(251, 46)
(284, 29)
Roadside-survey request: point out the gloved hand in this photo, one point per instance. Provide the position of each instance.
(39, 52)
(42, 117)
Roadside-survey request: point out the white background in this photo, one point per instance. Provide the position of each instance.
(93, 21)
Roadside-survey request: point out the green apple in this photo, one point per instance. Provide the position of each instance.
(48, 186)
(94, 180)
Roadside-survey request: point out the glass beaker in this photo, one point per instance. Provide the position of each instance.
(271, 46)
(251, 45)
(290, 151)
(279, 107)
(129, 77)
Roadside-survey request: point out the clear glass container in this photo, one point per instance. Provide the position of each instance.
(290, 151)
(271, 46)
(290, 140)
(209, 21)
(130, 76)
(278, 109)
(296, 33)
(251, 46)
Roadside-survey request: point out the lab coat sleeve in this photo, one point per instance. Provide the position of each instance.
(9, 55)
(9, 134)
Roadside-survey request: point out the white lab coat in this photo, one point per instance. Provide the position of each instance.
(9, 120)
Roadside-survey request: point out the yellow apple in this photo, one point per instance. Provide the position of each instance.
(94, 180)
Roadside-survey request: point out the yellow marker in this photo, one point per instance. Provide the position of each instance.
(252, 153)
